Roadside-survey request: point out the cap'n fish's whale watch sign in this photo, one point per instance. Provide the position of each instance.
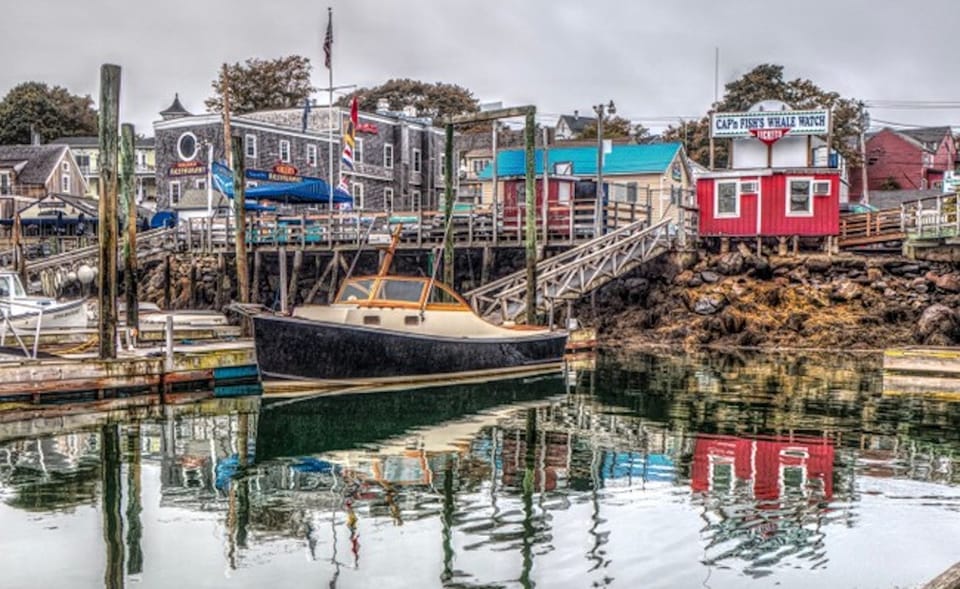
(767, 125)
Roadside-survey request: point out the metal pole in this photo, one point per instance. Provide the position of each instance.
(531, 221)
(210, 180)
(107, 222)
(496, 213)
(545, 205)
(330, 130)
(282, 258)
(598, 207)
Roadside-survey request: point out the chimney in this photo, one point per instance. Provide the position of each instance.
(35, 138)
(576, 115)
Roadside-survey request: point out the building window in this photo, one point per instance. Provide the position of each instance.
(416, 160)
(141, 157)
(83, 161)
(284, 151)
(64, 166)
(799, 197)
(187, 147)
(388, 156)
(250, 146)
(358, 151)
(312, 155)
(563, 193)
(388, 199)
(563, 168)
(443, 165)
(356, 190)
(201, 183)
(65, 183)
(415, 195)
(6, 186)
(726, 199)
(479, 165)
(174, 192)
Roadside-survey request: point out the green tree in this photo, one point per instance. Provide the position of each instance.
(50, 111)
(435, 101)
(766, 82)
(615, 127)
(263, 84)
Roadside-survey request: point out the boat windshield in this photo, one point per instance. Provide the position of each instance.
(10, 286)
(356, 290)
(407, 291)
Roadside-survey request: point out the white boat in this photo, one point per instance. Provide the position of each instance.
(23, 312)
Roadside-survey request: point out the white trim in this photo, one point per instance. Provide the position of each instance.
(312, 159)
(385, 146)
(716, 199)
(388, 198)
(357, 192)
(787, 193)
(280, 145)
(358, 150)
(247, 143)
(828, 184)
(416, 161)
(239, 123)
(9, 177)
(63, 149)
(66, 176)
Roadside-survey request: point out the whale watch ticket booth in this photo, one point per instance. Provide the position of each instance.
(774, 187)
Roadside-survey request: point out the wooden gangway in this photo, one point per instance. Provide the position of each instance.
(871, 228)
(575, 272)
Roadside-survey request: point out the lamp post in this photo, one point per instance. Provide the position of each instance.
(601, 110)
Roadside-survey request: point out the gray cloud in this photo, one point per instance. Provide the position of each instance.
(655, 59)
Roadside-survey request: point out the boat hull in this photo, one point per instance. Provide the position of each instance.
(290, 347)
(68, 315)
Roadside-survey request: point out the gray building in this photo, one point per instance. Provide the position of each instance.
(397, 158)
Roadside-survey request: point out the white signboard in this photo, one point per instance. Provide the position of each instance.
(792, 122)
(951, 182)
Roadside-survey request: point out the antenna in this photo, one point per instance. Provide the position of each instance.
(716, 76)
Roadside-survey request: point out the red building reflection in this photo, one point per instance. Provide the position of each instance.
(774, 466)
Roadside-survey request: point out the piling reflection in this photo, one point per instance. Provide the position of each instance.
(516, 477)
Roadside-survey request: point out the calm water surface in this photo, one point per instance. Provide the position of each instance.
(652, 471)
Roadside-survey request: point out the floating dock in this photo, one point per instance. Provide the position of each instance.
(922, 369)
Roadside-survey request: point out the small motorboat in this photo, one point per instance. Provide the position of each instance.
(390, 326)
(23, 312)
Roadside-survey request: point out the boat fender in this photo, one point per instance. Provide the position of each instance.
(509, 323)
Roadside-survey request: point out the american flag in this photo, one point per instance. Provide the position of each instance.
(328, 40)
(349, 140)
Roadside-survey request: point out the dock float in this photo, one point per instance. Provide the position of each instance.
(922, 369)
(222, 368)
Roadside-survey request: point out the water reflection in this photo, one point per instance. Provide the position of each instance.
(716, 470)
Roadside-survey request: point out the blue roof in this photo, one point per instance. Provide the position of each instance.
(625, 159)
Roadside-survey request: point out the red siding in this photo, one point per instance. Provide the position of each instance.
(514, 205)
(900, 160)
(825, 219)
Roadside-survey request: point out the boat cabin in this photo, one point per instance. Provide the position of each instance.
(400, 292)
(11, 287)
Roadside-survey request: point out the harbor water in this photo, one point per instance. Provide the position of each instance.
(720, 471)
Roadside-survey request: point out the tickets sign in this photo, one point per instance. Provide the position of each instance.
(745, 124)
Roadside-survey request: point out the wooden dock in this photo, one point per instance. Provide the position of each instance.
(922, 370)
(222, 369)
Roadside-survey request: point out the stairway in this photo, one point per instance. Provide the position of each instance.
(575, 272)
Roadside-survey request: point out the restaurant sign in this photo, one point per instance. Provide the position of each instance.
(279, 173)
(770, 126)
(191, 168)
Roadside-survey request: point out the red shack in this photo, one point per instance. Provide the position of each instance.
(775, 185)
(777, 202)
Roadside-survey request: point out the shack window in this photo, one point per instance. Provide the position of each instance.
(799, 197)
(726, 199)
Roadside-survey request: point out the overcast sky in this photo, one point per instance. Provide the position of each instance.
(655, 59)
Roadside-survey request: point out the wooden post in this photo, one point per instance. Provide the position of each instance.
(167, 298)
(295, 276)
(240, 216)
(531, 222)
(107, 221)
(486, 265)
(227, 134)
(255, 287)
(18, 260)
(282, 260)
(448, 268)
(128, 190)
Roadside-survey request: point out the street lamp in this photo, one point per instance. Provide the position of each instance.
(610, 109)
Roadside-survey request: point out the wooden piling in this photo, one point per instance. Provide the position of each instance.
(128, 190)
(107, 214)
(531, 220)
(255, 287)
(448, 263)
(295, 276)
(282, 261)
(486, 266)
(240, 216)
(167, 298)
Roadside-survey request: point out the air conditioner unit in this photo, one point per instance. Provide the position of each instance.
(821, 188)
(749, 187)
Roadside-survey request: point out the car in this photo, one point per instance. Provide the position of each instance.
(856, 208)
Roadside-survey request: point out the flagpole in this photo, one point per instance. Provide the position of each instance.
(330, 119)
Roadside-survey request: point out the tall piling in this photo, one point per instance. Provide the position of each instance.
(240, 216)
(531, 219)
(448, 256)
(128, 191)
(107, 214)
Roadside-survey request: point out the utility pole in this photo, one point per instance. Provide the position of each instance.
(128, 190)
(864, 124)
(601, 110)
(227, 134)
(240, 216)
(107, 213)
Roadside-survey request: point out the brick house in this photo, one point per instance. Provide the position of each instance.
(908, 159)
(31, 172)
(397, 158)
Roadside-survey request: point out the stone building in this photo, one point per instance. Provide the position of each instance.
(398, 159)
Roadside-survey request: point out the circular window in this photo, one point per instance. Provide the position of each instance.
(187, 147)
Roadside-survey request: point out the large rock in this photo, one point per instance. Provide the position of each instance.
(730, 263)
(709, 277)
(709, 304)
(818, 263)
(846, 291)
(948, 282)
(938, 325)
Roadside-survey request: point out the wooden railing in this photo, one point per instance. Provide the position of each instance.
(934, 217)
(872, 227)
